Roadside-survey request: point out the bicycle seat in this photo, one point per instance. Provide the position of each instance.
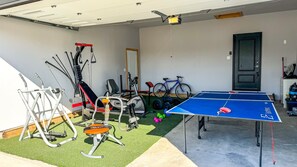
(165, 79)
(179, 76)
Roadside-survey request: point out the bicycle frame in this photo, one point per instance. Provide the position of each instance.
(182, 90)
(169, 89)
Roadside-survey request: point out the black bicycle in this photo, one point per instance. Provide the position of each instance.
(182, 90)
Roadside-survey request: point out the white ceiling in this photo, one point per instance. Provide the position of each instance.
(98, 12)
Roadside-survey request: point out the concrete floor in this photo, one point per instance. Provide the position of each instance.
(162, 154)
(8, 160)
(226, 143)
(232, 143)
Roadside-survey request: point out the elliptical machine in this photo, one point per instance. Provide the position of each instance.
(35, 102)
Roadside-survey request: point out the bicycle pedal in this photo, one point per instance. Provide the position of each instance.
(57, 134)
(51, 138)
(133, 119)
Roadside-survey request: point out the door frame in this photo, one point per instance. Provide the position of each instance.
(260, 59)
(137, 61)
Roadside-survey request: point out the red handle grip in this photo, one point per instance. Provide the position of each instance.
(83, 44)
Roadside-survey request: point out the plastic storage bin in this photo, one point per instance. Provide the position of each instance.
(291, 104)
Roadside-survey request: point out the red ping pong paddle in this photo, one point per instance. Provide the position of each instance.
(225, 110)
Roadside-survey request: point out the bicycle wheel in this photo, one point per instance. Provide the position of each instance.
(159, 90)
(183, 91)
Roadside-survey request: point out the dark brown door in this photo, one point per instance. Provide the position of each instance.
(247, 61)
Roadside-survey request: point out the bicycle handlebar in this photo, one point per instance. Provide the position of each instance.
(180, 78)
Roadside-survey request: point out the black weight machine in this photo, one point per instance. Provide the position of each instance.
(61, 67)
(113, 90)
(133, 88)
(70, 74)
(87, 94)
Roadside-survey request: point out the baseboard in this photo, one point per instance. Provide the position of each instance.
(1, 135)
(9, 133)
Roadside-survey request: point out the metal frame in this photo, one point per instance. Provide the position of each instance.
(101, 137)
(201, 123)
(43, 132)
(97, 140)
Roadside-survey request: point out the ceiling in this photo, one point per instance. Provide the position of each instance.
(80, 13)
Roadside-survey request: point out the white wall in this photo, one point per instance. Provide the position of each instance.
(13, 110)
(198, 50)
(26, 46)
(110, 43)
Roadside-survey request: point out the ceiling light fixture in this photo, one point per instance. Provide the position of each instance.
(138, 3)
(54, 6)
(99, 19)
(172, 20)
(79, 14)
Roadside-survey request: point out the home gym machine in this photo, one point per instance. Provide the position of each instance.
(61, 67)
(87, 94)
(113, 90)
(133, 87)
(35, 102)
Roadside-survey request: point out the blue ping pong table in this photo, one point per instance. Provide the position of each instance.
(255, 106)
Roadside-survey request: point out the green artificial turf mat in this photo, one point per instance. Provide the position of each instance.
(136, 142)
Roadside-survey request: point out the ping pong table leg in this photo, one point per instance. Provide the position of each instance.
(204, 127)
(201, 123)
(185, 136)
(261, 144)
(199, 137)
(257, 132)
(256, 128)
